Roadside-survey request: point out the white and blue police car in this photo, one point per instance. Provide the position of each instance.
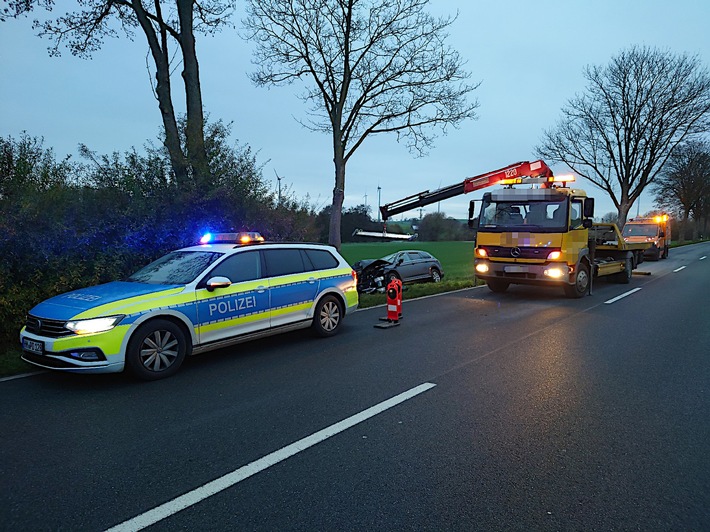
(224, 291)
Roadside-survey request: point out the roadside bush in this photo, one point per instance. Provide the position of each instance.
(67, 224)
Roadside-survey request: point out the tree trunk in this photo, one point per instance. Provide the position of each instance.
(159, 51)
(623, 213)
(195, 132)
(336, 213)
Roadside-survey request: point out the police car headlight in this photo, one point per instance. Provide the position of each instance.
(94, 325)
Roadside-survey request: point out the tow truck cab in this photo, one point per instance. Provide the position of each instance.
(533, 236)
(546, 237)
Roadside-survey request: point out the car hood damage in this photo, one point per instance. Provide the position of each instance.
(371, 275)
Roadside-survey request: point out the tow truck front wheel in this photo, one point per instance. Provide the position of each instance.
(581, 283)
(497, 286)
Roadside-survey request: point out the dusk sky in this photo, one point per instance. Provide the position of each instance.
(528, 56)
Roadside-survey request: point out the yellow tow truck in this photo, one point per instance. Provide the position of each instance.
(537, 231)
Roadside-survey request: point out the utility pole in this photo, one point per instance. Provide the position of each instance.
(379, 190)
(279, 180)
(365, 196)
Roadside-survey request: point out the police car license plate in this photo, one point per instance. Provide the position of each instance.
(516, 269)
(33, 346)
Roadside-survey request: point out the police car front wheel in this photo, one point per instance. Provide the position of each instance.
(328, 316)
(156, 350)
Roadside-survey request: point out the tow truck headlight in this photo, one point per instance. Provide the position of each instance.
(94, 325)
(481, 252)
(554, 255)
(556, 272)
(482, 267)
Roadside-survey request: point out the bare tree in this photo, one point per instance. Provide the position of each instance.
(375, 66)
(683, 186)
(635, 111)
(162, 22)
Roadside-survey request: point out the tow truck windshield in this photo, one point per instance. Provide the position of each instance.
(523, 214)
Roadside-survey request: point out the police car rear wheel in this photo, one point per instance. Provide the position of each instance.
(156, 350)
(328, 316)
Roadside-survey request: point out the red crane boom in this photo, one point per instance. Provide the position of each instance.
(521, 169)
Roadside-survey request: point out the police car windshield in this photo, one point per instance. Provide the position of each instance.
(178, 267)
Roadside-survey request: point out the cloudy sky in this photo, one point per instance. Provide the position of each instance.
(528, 56)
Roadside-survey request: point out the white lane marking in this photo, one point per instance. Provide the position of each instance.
(622, 296)
(230, 479)
(703, 257)
(21, 376)
(679, 269)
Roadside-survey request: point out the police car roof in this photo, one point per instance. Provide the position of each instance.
(226, 248)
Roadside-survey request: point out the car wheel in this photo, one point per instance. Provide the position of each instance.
(435, 275)
(391, 276)
(581, 283)
(328, 316)
(156, 350)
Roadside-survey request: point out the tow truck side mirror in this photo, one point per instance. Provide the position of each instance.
(472, 221)
(589, 208)
(587, 223)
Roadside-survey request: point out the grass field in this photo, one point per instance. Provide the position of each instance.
(455, 257)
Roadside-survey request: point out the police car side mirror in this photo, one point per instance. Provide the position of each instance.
(217, 282)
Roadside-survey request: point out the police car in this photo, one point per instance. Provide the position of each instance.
(192, 300)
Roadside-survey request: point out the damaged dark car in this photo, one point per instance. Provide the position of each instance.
(409, 266)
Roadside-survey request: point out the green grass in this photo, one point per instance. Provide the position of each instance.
(11, 364)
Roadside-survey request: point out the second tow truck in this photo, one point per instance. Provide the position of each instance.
(537, 231)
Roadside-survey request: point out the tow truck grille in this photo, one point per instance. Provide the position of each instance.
(45, 327)
(520, 253)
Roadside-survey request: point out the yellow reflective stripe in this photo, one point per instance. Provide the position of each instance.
(109, 342)
(352, 298)
(291, 308)
(216, 326)
(133, 305)
(301, 277)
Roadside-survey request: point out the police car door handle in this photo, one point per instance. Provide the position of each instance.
(312, 280)
(261, 289)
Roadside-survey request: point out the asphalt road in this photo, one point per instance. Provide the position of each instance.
(525, 411)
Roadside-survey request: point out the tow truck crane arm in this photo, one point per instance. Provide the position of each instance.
(521, 169)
